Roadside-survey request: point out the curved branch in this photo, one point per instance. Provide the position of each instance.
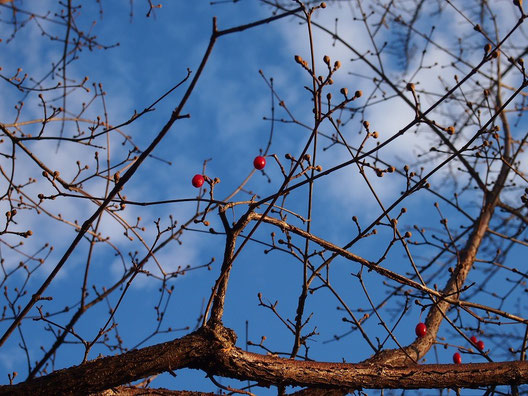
(213, 351)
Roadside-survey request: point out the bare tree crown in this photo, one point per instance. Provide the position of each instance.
(332, 195)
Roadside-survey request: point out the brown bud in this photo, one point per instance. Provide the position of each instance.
(344, 91)
(358, 94)
(337, 65)
(323, 5)
(487, 48)
(326, 59)
(451, 130)
(298, 59)
(366, 124)
(410, 87)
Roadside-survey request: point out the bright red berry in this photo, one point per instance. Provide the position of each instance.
(457, 359)
(421, 330)
(259, 162)
(473, 339)
(197, 181)
(480, 345)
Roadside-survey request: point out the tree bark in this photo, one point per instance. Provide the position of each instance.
(213, 351)
(137, 391)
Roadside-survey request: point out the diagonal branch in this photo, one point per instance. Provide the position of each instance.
(394, 276)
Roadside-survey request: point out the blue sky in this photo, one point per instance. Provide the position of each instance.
(229, 124)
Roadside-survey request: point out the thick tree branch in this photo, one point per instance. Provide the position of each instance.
(137, 391)
(104, 373)
(214, 352)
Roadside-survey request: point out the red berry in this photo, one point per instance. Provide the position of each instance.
(197, 181)
(259, 162)
(480, 345)
(457, 359)
(421, 330)
(473, 339)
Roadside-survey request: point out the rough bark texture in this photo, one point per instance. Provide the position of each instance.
(136, 391)
(319, 392)
(213, 351)
(104, 373)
